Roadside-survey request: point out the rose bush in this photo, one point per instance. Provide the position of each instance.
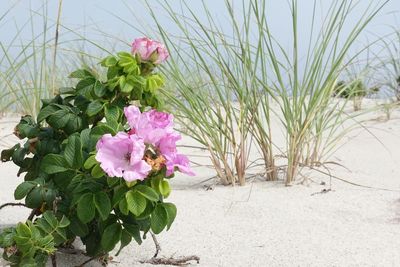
(96, 167)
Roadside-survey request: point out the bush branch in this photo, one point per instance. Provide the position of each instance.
(12, 204)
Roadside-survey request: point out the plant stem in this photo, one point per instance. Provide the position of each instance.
(158, 247)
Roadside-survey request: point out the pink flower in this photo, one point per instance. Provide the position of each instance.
(151, 125)
(178, 161)
(168, 149)
(159, 119)
(122, 156)
(149, 50)
(167, 145)
(156, 128)
(132, 114)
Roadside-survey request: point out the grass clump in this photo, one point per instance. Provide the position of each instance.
(225, 84)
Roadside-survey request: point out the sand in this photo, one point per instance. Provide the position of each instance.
(268, 224)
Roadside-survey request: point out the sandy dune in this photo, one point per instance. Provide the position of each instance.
(268, 224)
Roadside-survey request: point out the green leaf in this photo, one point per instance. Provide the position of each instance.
(171, 213)
(85, 87)
(125, 240)
(64, 222)
(134, 231)
(73, 151)
(50, 218)
(111, 236)
(28, 262)
(86, 208)
(85, 138)
(158, 219)
(23, 230)
(123, 206)
(94, 108)
(54, 163)
(19, 155)
(59, 119)
(123, 54)
(50, 225)
(46, 112)
(147, 192)
(118, 194)
(66, 90)
(78, 228)
(81, 74)
(90, 162)
(136, 202)
(112, 74)
(128, 62)
(103, 204)
(101, 130)
(7, 237)
(74, 124)
(154, 82)
(112, 112)
(99, 89)
(35, 198)
(97, 171)
(109, 61)
(164, 187)
(27, 127)
(127, 87)
(23, 189)
(136, 94)
(6, 154)
(111, 181)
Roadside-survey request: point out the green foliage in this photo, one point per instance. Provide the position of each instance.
(63, 182)
(29, 244)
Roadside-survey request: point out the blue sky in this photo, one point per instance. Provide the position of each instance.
(93, 16)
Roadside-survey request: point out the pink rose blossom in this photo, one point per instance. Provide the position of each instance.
(168, 149)
(151, 125)
(160, 119)
(156, 128)
(149, 50)
(122, 156)
(167, 145)
(181, 162)
(132, 114)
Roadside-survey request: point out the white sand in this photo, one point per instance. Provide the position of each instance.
(268, 224)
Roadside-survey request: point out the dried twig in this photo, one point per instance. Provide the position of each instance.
(182, 261)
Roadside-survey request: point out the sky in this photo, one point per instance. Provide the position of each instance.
(98, 18)
(103, 14)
